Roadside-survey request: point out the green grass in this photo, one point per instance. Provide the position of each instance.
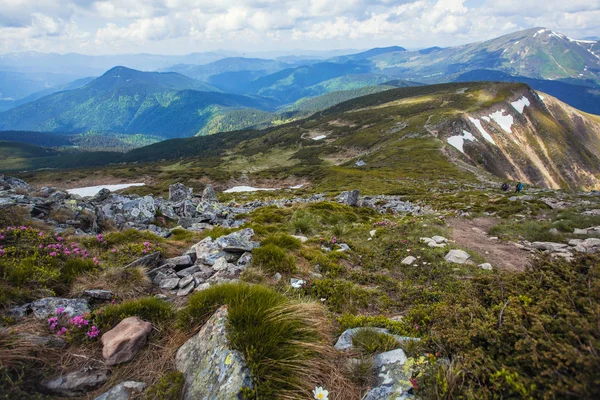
(281, 340)
(271, 258)
(151, 309)
(370, 341)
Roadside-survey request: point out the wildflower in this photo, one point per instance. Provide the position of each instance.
(53, 254)
(53, 322)
(320, 393)
(413, 382)
(94, 332)
(96, 262)
(62, 331)
(113, 251)
(60, 310)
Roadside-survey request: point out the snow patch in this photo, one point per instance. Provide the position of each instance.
(539, 32)
(520, 104)
(93, 190)
(483, 132)
(505, 121)
(486, 119)
(458, 141)
(320, 137)
(242, 189)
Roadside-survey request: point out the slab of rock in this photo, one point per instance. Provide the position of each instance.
(44, 308)
(349, 198)
(150, 260)
(188, 271)
(592, 245)
(457, 256)
(185, 290)
(392, 380)
(237, 242)
(486, 266)
(169, 283)
(76, 383)
(202, 286)
(123, 342)
(439, 239)
(179, 262)
(212, 370)
(409, 260)
(297, 283)
(183, 282)
(209, 195)
(179, 192)
(123, 391)
(549, 246)
(98, 294)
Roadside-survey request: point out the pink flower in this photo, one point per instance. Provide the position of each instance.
(60, 310)
(53, 254)
(113, 251)
(62, 331)
(94, 332)
(96, 262)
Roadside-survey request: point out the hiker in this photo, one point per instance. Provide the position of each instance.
(519, 187)
(504, 187)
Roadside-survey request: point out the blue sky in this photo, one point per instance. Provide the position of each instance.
(185, 26)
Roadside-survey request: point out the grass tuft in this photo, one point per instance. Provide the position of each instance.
(150, 309)
(272, 259)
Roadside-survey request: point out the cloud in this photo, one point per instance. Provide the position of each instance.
(153, 25)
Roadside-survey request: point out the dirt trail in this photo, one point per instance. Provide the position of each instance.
(472, 235)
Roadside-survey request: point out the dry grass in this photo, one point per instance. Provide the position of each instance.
(125, 283)
(15, 350)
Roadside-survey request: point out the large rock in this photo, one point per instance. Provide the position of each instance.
(124, 341)
(237, 242)
(46, 307)
(76, 383)
(209, 194)
(9, 182)
(457, 256)
(344, 342)
(592, 245)
(179, 192)
(212, 370)
(392, 381)
(349, 198)
(123, 391)
(150, 260)
(408, 260)
(549, 246)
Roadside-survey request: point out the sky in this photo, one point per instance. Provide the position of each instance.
(187, 26)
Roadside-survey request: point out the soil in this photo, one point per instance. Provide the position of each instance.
(472, 234)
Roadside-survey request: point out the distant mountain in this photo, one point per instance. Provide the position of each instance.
(535, 53)
(377, 51)
(129, 101)
(16, 85)
(231, 64)
(583, 98)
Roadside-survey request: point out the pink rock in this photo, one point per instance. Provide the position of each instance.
(123, 342)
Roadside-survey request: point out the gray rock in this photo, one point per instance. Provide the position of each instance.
(169, 283)
(179, 262)
(202, 286)
(44, 308)
(150, 260)
(439, 239)
(203, 274)
(553, 231)
(220, 264)
(185, 281)
(343, 247)
(578, 231)
(349, 198)
(185, 290)
(9, 182)
(486, 266)
(297, 283)
(211, 369)
(209, 195)
(391, 377)
(237, 242)
(575, 242)
(179, 192)
(360, 163)
(98, 294)
(302, 239)
(409, 260)
(592, 245)
(123, 391)
(245, 260)
(277, 277)
(76, 383)
(53, 342)
(188, 271)
(344, 342)
(549, 246)
(457, 256)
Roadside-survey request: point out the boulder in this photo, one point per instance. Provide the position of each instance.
(349, 198)
(9, 182)
(169, 283)
(179, 192)
(439, 239)
(237, 242)
(592, 245)
(179, 262)
(187, 289)
(344, 342)
(183, 282)
(123, 391)
(392, 380)
(188, 271)
(150, 260)
(98, 294)
(220, 264)
(486, 266)
(212, 369)
(245, 259)
(76, 383)
(409, 260)
(123, 342)
(457, 256)
(549, 246)
(46, 307)
(209, 195)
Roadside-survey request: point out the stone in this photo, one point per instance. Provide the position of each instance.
(344, 342)
(392, 380)
(9, 182)
(237, 242)
(277, 277)
(553, 231)
(245, 260)
(179, 192)
(150, 260)
(457, 256)
(179, 262)
(578, 231)
(409, 260)
(185, 290)
(575, 242)
(53, 342)
(203, 274)
(343, 247)
(98, 294)
(46, 307)
(183, 282)
(302, 239)
(188, 271)
(123, 391)
(101, 196)
(486, 266)
(202, 286)
(360, 163)
(123, 342)
(349, 198)
(169, 283)
(372, 232)
(220, 264)
(297, 283)
(209, 195)
(211, 369)
(76, 383)
(439, 239)
(549, 246)
(592, 245)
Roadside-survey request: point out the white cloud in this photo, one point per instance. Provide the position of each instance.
(152, 25)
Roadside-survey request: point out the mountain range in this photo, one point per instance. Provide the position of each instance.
(230, 93)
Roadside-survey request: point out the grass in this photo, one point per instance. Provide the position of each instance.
(124, 283)
(271, 258)
(370, 341)
(151, 309)
(283, 342)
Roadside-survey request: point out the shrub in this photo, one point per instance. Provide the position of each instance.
(284, 241)
(303, 222)
(170, 387)
(282, 341)
(150, 309)
(272, 258)
(370, 341)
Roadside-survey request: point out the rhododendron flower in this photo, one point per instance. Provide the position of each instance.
(62, 331)
(94, 332)
(60, 310)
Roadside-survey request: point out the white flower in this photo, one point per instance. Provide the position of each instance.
(320, 393)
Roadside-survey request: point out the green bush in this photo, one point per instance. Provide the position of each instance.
(370, 341)
(170, 387)
(150, 309)
(281, 341)
(282, 240)
(271, 258)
